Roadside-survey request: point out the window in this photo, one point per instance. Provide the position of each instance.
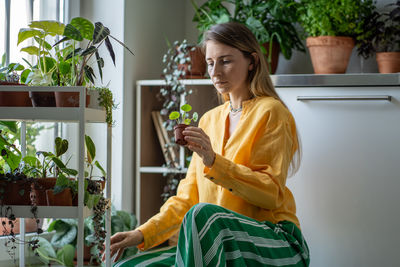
(17, 14)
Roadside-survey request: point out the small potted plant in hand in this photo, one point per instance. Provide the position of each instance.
(182, 122)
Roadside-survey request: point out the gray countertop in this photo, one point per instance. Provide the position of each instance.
(364, 79)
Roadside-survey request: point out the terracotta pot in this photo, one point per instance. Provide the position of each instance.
(274, 56)
(64, 198)
(179, 138)
(39, 189)
(14, 98)
(16, 192)
(43, 99)
(330, 54)
(198, 65)
(30, 225)
(69, 99)
(388, 62)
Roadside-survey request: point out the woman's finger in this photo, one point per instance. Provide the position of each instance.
(119, 254)
(197, 141)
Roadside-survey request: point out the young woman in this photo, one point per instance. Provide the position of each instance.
(233, 207)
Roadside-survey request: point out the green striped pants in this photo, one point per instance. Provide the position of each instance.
(214, 236)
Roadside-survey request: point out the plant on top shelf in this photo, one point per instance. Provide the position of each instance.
(331, 27)
(68, 65)
(381, 36)
(182, 122)
(65, 55)
(272, 22)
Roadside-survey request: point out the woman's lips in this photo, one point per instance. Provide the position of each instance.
(220, 83)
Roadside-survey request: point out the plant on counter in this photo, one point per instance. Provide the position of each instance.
(61, 248)
(332, 27)
(381, 35)
(270, 21)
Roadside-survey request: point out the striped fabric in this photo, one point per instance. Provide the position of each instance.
(214, 236)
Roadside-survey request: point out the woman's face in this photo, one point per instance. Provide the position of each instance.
(228, 68)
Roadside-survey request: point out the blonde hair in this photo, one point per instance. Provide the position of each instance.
(240, 37)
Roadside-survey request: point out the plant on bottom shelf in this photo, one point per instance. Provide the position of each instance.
(61, 248)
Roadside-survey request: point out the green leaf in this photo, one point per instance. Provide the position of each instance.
(43, 42)
(110, 49)
(186, 121)
(61, 146)
(3, 59)
(31, 161)
(59, 163)
(71, 32)
(85, 27)
(11, 125)
(51, 27)
(89, 73)
(26, 33)
(33, 50)
(62, 238)
(71, 172)
(100, 32)
(195, 116)
(66, 255)
(100, 64)
(64, 67)
(174, 115)
(15, 67)
(45, 250)
(50, 63)
(186, 108)
(103, 172)
(24, 75)
(92, 49)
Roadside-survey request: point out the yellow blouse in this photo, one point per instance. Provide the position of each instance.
(249, 172)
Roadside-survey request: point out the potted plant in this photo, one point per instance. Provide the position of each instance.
(61, 247)
(182, 122)
(381, 36)
(69, 65)
(272, 22)
(331, 27)
(9, 75)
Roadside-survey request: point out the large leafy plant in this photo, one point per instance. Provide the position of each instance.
(335, 17)
(268, 20)
(68, 64)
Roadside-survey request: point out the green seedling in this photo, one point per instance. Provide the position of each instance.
(184, 119)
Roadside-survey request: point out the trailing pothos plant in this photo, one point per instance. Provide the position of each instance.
(170, 95)
(69, 64)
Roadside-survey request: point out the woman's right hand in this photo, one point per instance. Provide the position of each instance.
(122, 240)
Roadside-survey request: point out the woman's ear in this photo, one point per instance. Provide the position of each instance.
(254, 61)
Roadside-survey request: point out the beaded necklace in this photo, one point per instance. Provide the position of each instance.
(234, 110)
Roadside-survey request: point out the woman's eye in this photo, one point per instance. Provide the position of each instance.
(210, 64)
(226, 62)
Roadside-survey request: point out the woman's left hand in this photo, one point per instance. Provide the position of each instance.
(199, 142)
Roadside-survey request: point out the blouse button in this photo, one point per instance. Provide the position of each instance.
(230, 189)
(211, 178)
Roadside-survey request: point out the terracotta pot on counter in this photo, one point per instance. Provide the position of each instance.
(330, 54)
(388, 62)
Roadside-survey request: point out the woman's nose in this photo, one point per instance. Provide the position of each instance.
(214, 70)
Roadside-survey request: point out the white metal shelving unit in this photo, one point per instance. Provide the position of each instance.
(81, 115)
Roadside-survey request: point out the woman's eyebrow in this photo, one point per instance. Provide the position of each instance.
(220, 56)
